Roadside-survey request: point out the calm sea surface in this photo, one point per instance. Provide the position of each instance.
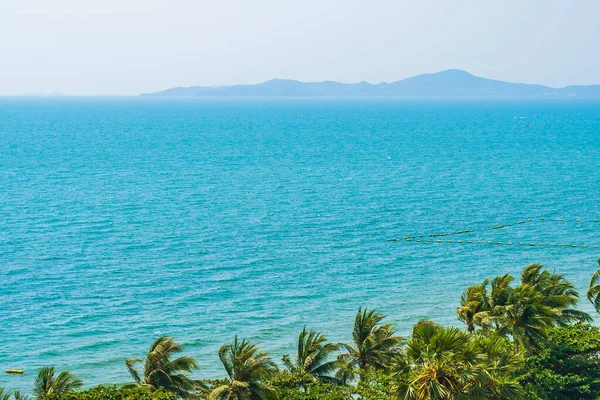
(122, 219)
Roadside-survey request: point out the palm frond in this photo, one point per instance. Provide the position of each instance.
(160, 371)
(249, 369)
(593, 293)
(219, 393)
(130, 365)
(3, 394)
(48, 384)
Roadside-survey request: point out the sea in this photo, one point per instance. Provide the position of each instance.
(126, 218)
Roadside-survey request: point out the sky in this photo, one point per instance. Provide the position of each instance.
(127, 47)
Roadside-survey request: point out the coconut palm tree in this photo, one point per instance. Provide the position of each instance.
(447, 363)
(161, 372)
(556, 292)
(527, 318)
(542, 300)
(48, 384)
(374, 345)
(248, 369)
(494, 302)
(472, 303)
(593, 293)
(312, 361)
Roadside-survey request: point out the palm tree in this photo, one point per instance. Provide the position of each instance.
(480, 307)
(248, 369)
(312, 361)
(47, 384)
(556, 293)
(4, 396)
(593, 293)
(161, 372)
(494, 302)
(542, 300)
(447, 363)
(374, 345)
(472, 303)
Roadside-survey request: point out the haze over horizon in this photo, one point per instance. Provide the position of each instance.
(127, 48)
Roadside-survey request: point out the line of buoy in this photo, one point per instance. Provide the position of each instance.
(531, 244)
(519, 222)
(14, 371)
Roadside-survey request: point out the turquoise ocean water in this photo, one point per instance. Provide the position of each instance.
(122, 219)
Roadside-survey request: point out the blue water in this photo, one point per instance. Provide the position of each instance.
(122, 219)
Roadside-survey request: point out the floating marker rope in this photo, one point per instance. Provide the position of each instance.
(495, 227)
(490, 242)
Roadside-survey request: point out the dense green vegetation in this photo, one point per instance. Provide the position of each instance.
(115, 393)
(522, 340)
(567, 366)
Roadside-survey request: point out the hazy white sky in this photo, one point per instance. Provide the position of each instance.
(134, 46)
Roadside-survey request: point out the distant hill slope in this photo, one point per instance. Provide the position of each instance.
(450, 83)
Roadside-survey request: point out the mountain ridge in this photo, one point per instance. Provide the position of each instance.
(447, 83)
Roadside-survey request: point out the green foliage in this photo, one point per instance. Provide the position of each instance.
(292, 387)
(568, 366)
(3, 394)
(542, 300)
(526, 348)
(312, 361)
(249, 370)
(114, 393)
(374, 384)
(319, 391)
(162, 372)
(47, 383)
(593, 293)
(472, 304)
(374, 345)
(18, 396)
(446, 363)
(557, 293)
(212, 384)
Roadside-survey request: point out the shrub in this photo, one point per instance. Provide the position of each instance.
(568, 365)
(114, 393)
(291, 387)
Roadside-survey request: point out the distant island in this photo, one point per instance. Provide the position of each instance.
(450, 83)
